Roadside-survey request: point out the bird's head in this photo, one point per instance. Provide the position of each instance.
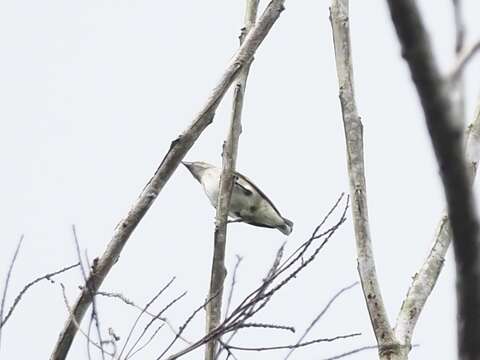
(197, 168)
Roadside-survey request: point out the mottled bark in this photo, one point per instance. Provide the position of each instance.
(354, 142)
(229, 157)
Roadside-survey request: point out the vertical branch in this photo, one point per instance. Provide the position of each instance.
(458, 83)
(446, 134)
(229, 158)
(175, 154)
(354, 141)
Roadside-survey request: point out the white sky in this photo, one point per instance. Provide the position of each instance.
(93, 93)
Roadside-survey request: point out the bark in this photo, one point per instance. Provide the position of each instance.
(445, 129)
(424, 281)
(230, 149)
(388, 346)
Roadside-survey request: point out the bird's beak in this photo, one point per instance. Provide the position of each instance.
(187, 165)
(191, 167)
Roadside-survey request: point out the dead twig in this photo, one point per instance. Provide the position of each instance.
(294, 346)
(7, 281)
(320, 315)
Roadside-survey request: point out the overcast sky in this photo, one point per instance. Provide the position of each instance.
(93, 92)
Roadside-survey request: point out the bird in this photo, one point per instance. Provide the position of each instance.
(248, 203)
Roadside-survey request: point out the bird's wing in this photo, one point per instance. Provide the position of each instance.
(248, 187)
(243, 186)
(258, 224)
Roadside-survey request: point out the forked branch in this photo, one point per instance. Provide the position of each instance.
(445, 129)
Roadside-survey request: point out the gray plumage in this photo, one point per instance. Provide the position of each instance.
(248, 204)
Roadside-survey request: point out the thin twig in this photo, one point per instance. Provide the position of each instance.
(462, 61)
(140, 348)
(180, 331)
(232, 285)
(29, 285)
(170, 162)
(94, 315)
(5, 287)
(69, 309)
(266, 326)
(170, 304)
(319, 316)
(154, 298)
(127, 301)
(229, 302)
(294, 346)
(352, 352)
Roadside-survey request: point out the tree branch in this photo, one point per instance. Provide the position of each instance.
(354, 141)
(424, 281)
(5, 287)
(464, 57)
(319, 316)
(230, 149)
(446, 134)
(293, 346)
(48, 276)
(177, 151)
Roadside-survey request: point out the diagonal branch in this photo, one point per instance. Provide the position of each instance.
(5, 288)
(230, 149)
(354, 141)
(424, 281)
(446, 135)
(175, 154)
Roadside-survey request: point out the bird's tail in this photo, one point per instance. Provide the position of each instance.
(286, 227)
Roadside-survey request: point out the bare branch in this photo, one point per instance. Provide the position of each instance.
(294, 346)
(459, 25)
(447, 140)
(145, 329)
(354, 140)
(424, 281)
(177, 151)
(69, 308)
(29, 285)
(319, 316)
(5, 287)
(266, 326)
(94, 312)
(155, 297)
(140, 348)
(232, 285)
(145, 311)
(352, 352)
(464, 57)
(229, 156)
(457, 82)
(271, 284)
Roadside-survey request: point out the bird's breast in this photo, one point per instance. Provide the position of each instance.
(210, 182)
